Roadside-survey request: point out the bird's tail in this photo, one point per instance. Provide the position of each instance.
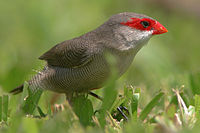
(33, 84)
(17, 90)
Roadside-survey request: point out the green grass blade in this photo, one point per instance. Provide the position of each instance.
(150, 106)
(31, 101)
(1, 104)
(49, 112)
(197, 109)
(171, 110)
(197, 105)
(83, 108)
(117, 103)
(110, 95)
(128, 93)
(5, 108)
(195, 83)
(42, 114)
(135, 100)
(24, 93)
(134, 104)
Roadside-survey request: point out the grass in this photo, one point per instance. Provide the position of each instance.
(165, 112)
(161, 90)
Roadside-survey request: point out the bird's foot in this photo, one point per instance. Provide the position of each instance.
(120, 108)
(57, 108)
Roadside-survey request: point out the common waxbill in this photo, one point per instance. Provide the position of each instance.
(80, 64)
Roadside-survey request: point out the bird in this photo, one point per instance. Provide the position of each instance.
(80, 65)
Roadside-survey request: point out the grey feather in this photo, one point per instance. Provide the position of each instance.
(79, 65)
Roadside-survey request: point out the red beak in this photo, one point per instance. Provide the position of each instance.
(159, 29)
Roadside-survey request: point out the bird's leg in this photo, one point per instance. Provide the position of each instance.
(55, 107)
(69, 98)
(122, 113)
(96, 96)
(124, 108)
(118, 108)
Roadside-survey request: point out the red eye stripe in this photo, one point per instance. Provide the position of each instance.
(136, 23)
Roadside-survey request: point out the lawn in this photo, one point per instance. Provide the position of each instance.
(160, 92)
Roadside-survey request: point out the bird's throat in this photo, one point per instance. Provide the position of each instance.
(132, 39)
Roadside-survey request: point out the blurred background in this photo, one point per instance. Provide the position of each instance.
(30, 28)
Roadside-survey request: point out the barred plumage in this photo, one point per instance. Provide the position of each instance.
(80, 64)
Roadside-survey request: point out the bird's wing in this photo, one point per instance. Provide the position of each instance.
(68, 55)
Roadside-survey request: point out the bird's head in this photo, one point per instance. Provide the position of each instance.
(133, 29)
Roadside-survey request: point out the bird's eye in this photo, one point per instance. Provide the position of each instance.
(145, 24)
